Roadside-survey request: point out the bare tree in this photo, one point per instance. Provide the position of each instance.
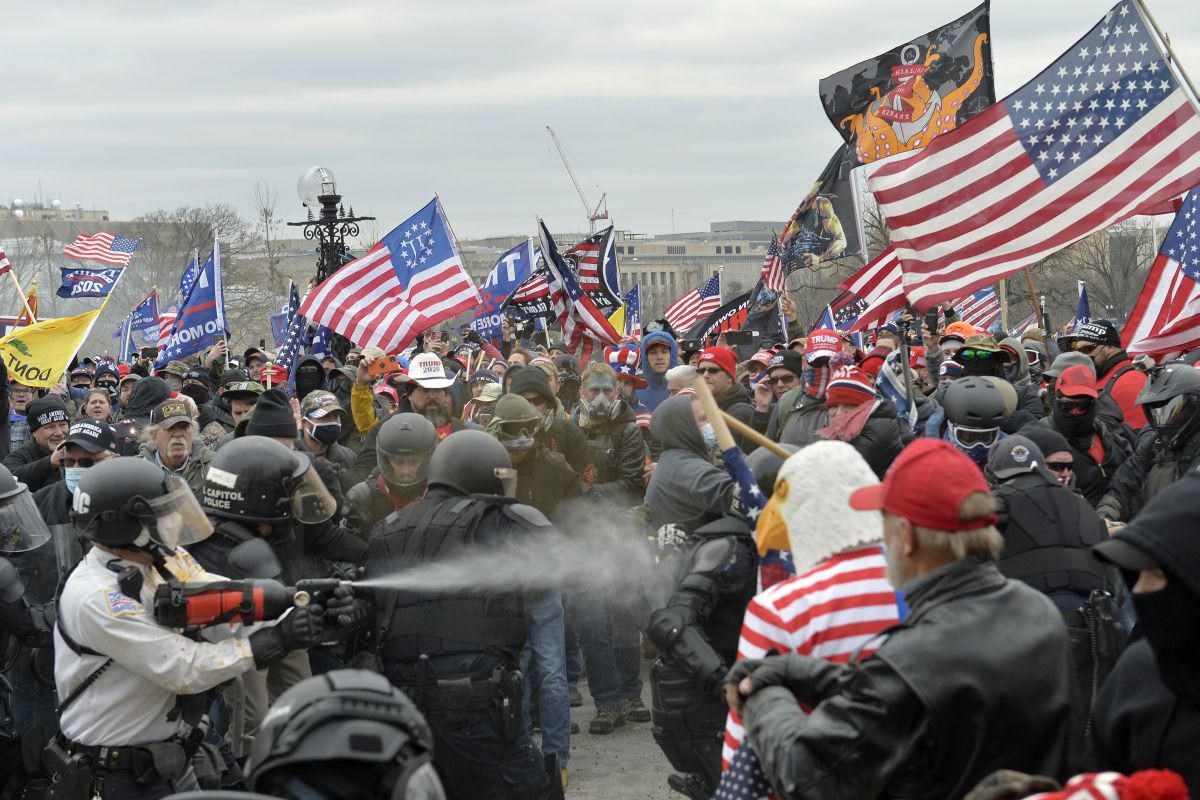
(264, 199)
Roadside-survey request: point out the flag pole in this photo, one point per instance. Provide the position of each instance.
(1002, 291)
(1171, 57)
(24, 298)
(1033, 296)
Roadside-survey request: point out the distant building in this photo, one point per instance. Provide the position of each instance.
(49, 211)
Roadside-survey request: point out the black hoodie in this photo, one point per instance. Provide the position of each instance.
(310, 376)
(565, 436)
(147, 394)
(685, 488)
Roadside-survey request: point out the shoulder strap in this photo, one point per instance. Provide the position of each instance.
(1109, 384)
(80, 650)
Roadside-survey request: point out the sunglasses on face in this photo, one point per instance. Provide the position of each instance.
(1060, 466)
(85, 463)
(709, 370)
(971, 354)
(1075, 408)
(1084, 347)
(786, 380)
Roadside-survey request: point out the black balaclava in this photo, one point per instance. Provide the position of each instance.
(978, 368)
(1076, 429)
(1170, 619)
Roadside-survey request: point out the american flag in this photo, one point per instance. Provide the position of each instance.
(744, 778)
(5, 264)
(980, 309)
(772, 269)
(1102, 134)
(296, 326)
(583, 325)
(188, 279)
(591, 259)
(695, 305)
(166, 324)
(633, 310)
(408, 282)
(107, 248)
(1166, 316)
(881, 284)
(1020, 327)
(535, 287)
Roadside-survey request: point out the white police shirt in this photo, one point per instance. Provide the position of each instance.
(129, 703)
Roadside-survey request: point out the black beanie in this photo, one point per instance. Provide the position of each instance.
(1046, 438)
(272, 416)
(46, 410)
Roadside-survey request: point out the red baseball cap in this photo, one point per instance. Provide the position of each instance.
(723, 357)
(905, 487)
(1077, 381)
(822, 343)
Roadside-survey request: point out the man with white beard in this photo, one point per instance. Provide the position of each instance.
(977, 678)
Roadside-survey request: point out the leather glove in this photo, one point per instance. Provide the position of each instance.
(299, 630)
(742, 669)
(343, 610)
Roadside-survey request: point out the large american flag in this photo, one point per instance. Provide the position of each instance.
(980, 309)
(411, 280)
(773, 276)
(695, 305)
(589, 260)
(583, 325)
(5, 264)
(1102, 134)
(881, 284)
(1166, 317)
(105, 247)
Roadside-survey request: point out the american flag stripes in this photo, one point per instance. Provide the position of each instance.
(408, 282)
(980, 309)
(296, 326)
(695, 305)
(881, 284)
(594, 265)
(105, 247)
(1103, 133)
(1166, 316)
(166, 324)
(5, 264)
(773, 276)
(535, 287)
(583, 324)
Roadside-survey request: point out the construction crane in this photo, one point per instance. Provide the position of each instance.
(600, 211)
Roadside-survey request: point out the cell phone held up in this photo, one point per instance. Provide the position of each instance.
(383, 365)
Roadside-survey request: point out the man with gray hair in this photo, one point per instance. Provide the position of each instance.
(680, 378)
(170, 442)
(977, 678)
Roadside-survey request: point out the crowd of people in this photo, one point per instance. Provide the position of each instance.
(941, 564)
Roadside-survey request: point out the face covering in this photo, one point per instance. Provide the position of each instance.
(326, 433)
(174, 384)
(198, 393)
(980, 367)
(71, 476)
(710, 436)
(1171, 619)
(1073, 427)
(976, 451)
(815, 381)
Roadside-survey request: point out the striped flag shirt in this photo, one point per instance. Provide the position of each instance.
(980, 309)
(1102, 134)
(1166, 316)
(828, 612)
(695, 305)
(107, 248)
(881, 284)
(773, 276)
(5, 264)
(408, 282)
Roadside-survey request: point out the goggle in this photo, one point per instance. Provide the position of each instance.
(1034, 357)
(1060, 466)
(971, 354)
(1076, 408)
(1162, 415)
(971, 437)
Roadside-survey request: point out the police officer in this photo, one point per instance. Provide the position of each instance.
(132, 693)
(455, 655)
(1048, 535)
(348, 734)
(403, 447)
(697, 632)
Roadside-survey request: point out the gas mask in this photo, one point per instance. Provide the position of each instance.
(601, 407)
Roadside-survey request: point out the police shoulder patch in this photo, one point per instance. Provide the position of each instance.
(527, 515)
(122, 605)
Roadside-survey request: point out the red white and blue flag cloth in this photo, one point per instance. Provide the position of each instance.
(595, 265)
(105, 247)
(5, 264)
(1166, 316)
(77, 283)
(980, 309)
(293, 337)
(1103, 133)
(200, 321)
(773, 276)
(881, 285)
(411, 280)
(583, 324)
(166, 323)
(1083, 309)
(695, 305)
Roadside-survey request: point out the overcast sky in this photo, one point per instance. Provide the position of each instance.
(706, 108)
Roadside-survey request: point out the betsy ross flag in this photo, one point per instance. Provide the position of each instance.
(5, 264)
(695, 305)
(1166, 316)
(583, 324)
(1102, 134)
(105, 247)
(980, 309)
(408, 282)
(772, 269)
(881, 285)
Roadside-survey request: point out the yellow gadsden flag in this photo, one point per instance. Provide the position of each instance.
(37, 354)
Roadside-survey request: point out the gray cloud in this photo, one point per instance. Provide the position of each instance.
(708, 108)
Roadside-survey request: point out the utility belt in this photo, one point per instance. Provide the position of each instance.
(77, 769)
(454, 699)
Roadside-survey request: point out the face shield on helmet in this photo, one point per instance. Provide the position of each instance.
(508, 480)
(178, 518)
(21, 526)
(311, 501)
(1170, 415)
(405, 474)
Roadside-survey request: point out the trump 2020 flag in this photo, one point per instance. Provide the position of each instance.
(1083, 309)
(144, 316)
(200, 321)
(509, 271)
(78, 283)
(1166, 317)
(408, 282)
(1103, 133)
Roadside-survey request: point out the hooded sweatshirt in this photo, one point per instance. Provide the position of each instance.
(565, 436)
(146, 395)
(1029, 397)
(309, 376)
(656, 384)
(685, 488)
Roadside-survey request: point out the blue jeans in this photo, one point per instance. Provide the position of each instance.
(590, 616)
(543, 660)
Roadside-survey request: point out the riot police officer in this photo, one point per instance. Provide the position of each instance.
(132, 693)
(348, 734)
(455, 653)
(697, 631)
(403, 447)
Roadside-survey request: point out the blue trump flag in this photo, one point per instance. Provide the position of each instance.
(320, 343)
(201, 319)
(1083, 310)
(510, 270)
(125, 355)
(88, 282)
(145, 314)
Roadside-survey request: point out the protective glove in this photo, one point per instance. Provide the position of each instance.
(299, 630)
(343, 610)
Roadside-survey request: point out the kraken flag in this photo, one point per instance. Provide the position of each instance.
(904, 98)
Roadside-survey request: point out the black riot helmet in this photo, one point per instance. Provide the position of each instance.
(1171, 400)
(764, 466)
(131, 503)
(347, 734)
(472, 462)
(257, 479)
(973, 403)
(402, 451)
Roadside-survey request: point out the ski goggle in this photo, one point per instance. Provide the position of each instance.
(972, 437)
(1074, 407)
(1034, 357)
(972, 354)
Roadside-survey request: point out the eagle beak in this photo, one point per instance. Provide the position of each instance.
(770, 532)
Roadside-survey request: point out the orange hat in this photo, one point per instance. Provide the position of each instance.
(960, 328)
